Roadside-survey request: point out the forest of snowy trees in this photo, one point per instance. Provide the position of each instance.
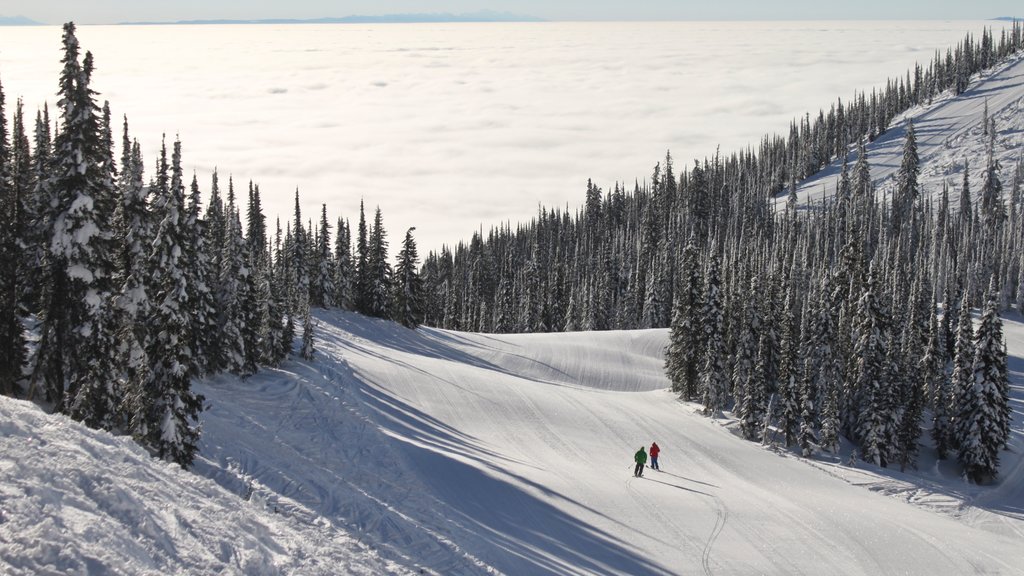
(847, 318)
(816, 322)
(116, 292)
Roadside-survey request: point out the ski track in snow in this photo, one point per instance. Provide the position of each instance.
(481, 454)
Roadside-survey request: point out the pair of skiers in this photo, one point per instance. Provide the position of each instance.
(641, 459)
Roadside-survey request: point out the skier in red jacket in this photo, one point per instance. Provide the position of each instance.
(654, 456)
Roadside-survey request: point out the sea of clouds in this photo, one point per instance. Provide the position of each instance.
(454, 127)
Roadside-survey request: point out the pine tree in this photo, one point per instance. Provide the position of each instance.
(408, 296)
(132, 303)
(12, 334)
(173, 431)
(363, 274)
(906, 180)
(753, 408)
(683, 353)
(343, 269)
(961, 380)
(379, 270)
(984, 415)
(77, 321)
(871, 354)
(714, 379)
(308, 327)
(201, 273)
(231, 284)
(322, 286)
(933, 373)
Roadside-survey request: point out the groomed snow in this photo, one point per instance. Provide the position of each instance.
(398, 451)
(471, 454)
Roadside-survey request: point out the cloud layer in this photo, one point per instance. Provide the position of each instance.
(448, 127)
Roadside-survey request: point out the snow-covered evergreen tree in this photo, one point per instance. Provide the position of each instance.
(961, 381)
(683, 355)
(308, 337)
(173, 409)
(13, 349)
(906, 180)
(714, 378)
(408, 287)
(379, 269)
(78, 328)
(984, 414)
(933, 374)
(871, 354)
(322, 288)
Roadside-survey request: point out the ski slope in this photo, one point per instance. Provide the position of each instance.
(474, 454)
(948, 131)
(435, 452)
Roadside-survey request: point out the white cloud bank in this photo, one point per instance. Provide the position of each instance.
(448, 127)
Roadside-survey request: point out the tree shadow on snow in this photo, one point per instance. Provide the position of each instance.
(507, 521)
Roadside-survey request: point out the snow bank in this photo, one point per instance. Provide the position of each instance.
(78, 501)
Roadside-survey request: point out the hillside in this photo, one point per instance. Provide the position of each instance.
(948, 131)
(431, 451)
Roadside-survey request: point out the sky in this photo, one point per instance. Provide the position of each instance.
(113, 11)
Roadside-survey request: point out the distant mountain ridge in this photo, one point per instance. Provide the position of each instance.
(481, 16)
(18, 21)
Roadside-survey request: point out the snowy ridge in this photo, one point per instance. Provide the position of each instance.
(78, 501)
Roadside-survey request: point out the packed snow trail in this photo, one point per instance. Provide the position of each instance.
(473, 454)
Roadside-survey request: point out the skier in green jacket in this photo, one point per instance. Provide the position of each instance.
(641, 458)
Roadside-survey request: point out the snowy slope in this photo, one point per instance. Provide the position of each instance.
(78, 501)
(948, 130)
(472, 454)
(428, 451)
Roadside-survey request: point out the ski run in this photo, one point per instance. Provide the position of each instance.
(428, 451)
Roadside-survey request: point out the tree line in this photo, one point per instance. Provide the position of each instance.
(115, 292)
(811, 322)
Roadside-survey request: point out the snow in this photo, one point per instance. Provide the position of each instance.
(397, 451)
(471, 453)
(429, 451)
(78, 501)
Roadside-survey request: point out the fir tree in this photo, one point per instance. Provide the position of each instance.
(906, 180)
(984, 414)
(933, 373)
(322, 289)
(78, 325)
(714, 379)
(173, 431)
(683, 353)
(408, 287)
(379, 270)
(871, 354)
(308, 327)
(12, 335)
(961, 380)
